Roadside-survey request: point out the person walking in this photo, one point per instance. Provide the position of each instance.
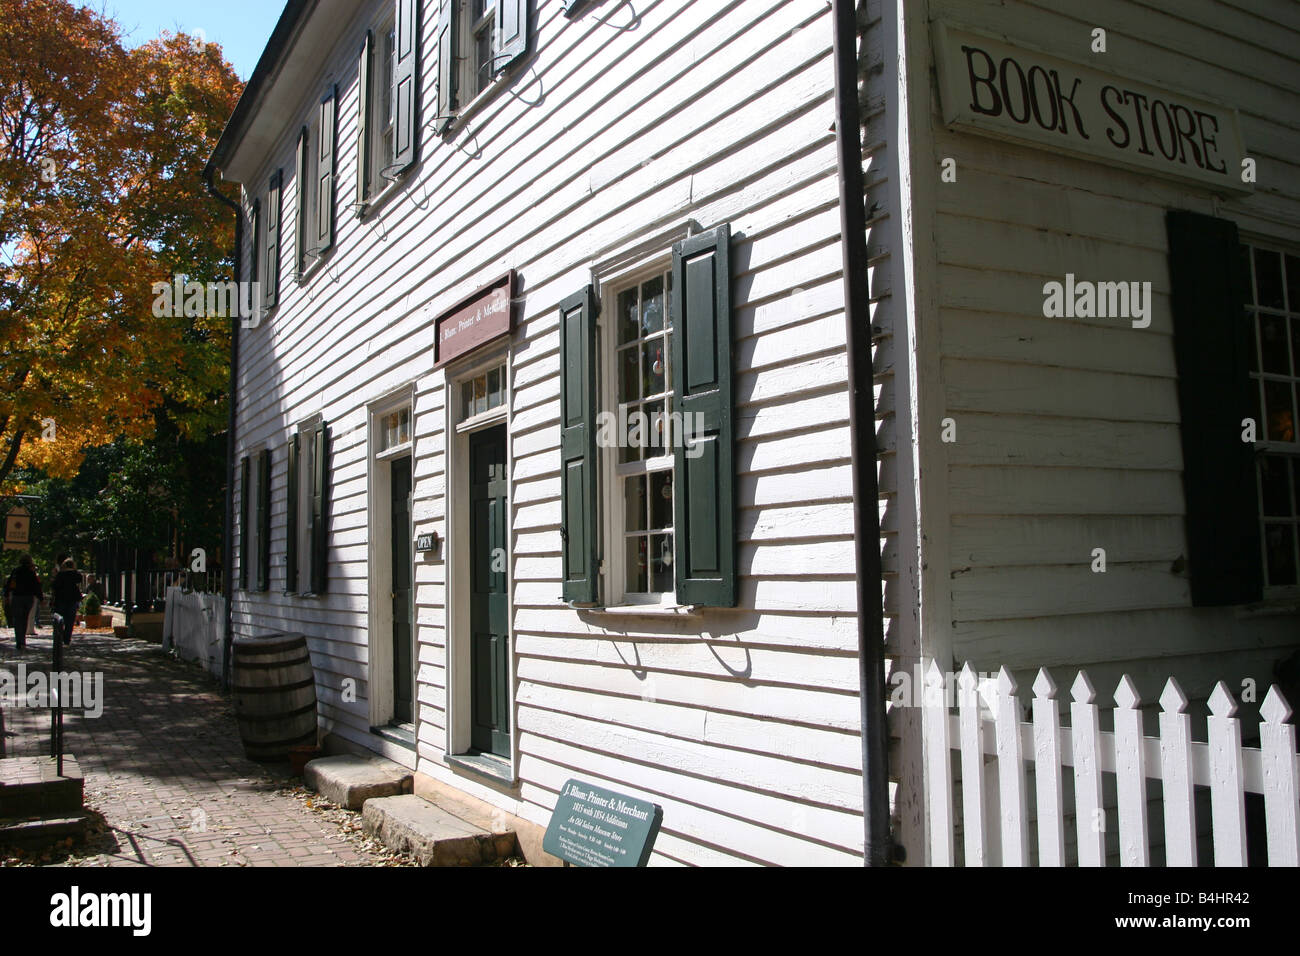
(65, 595)
(25, 592)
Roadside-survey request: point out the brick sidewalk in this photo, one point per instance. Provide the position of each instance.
(165, 768)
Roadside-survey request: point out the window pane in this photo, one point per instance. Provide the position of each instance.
(483, 45)
(466, 399)
(1280, 410)
(1275, 486)
(1279, 545)
(494, 388)
(661, 549)
(627, 313)
(480, 395)
(1253, 347)
(1273, 351)
(634, 495)
(1268, 279)
(629, 383)
(1258, 414)
(404, 429)
(655, 361)
(661, 499)
(652, 305)
(1293, 284)
(636, 564)
(1295, 346)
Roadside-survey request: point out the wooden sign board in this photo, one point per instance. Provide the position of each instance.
(18, 524)
(1016, 92)
(483, 317)
(595, 827)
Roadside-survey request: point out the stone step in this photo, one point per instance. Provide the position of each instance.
(40, 830)
(31, 787)
(413, 825)
(349, 780)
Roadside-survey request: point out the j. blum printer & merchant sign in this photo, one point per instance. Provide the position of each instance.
(1017, 92)
(482, 317)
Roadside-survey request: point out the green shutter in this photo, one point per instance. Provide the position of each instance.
(274, 211)
(510, 39)
(291, 518)
(244, 556)
(579, 472)
(446, 44)
(406, 86)
(704, 501)
(1212, 347)
(318, 522)
(326, 157)
(363, 122)
(255, 250)
(264, 519)
(301, 232)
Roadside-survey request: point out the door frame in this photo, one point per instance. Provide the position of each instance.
(459, 676)
(379, 631)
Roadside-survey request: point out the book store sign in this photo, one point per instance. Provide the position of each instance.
(595, 827)
(1012, 92)
(482, 317)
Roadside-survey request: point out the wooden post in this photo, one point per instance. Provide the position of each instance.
(1130, 776)
(972, 767)
(938, 762)
(1227, 799)
(1176, 776)
(1277, 740)
(1085, 738)
(1047, 772)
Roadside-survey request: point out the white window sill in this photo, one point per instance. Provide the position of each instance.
(647, 610)
(465, 113)
(371, 205)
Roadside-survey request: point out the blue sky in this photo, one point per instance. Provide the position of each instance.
(242, 27)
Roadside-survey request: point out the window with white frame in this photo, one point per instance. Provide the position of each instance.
(1273, 315)
(477, 24)
(482, 393)
(639, 397)
(382, 107)
(477, 41)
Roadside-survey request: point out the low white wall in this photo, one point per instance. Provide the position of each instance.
(192, 624)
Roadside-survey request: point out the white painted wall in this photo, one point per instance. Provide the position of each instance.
(743, 723)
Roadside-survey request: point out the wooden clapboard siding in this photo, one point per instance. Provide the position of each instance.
(1067, 434)
(743, 723)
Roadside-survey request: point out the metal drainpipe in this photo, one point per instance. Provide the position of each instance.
(228, 524)
(877, 846)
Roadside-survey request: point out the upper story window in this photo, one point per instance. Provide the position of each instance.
(388, 121)
(477, 41)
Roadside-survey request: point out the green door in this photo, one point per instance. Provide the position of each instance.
(489, 603)
(403, 649)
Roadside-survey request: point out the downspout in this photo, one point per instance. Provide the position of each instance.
(228, 523)
(877, 844)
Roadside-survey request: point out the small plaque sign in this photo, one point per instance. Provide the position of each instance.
(595, 827)
(17, 529)
(482, 317)
(426, 542)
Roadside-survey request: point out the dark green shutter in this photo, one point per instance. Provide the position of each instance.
(326, 156)
(264, 519)
(255, 222)
(579, 473)
(704, 500)
(446, 67)
(291, 518)
(244, 552)
(363, 122)
(406, 85)
(318, 522)
(274, 211)
(1211, 344)
(510, 30)
(301, 233)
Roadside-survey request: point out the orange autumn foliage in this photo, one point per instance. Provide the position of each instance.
(101, 154)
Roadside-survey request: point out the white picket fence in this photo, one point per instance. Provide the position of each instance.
(996, 749)
(193, 625)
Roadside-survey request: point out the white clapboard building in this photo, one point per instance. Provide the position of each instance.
(542, 424)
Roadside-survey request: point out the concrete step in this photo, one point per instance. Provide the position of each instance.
(39, 830)
(31, 787)
(413, 825)
(350, 781)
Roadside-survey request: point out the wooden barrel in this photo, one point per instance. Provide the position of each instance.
(274, 693)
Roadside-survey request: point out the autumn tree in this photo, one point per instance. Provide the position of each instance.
(101, 196)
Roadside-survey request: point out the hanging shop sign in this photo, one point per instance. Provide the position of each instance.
(18, 524)
(1013, 91)
(483, 317)
(595, 827)
(426, 542)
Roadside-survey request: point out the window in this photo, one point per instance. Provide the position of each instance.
(482, 393)
(316, 153)
(477, 41)
(1273, 318)
(395, 429)
(255, 521)
(646, 425)
(643, 472)
(271, 270)
(307, 509)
